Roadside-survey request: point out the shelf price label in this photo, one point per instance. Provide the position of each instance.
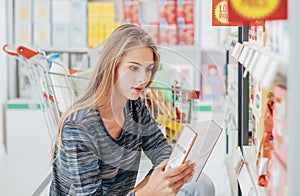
(220, 15)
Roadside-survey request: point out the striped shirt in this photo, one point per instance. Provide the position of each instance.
(92, 162)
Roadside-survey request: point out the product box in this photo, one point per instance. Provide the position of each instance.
(60, 35)
(78, 12)
(23, 33)
(257, 129)
(41, 34)
(167, 12)
(23, 11)
(41, 11)
(260, 100)
(78, 35)
(61, 11)
(168, 35)
(131, 12)
(185, 12)
(280, 124)
(186, 35)
(257, 33)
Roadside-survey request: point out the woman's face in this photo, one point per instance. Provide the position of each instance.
(134, 73)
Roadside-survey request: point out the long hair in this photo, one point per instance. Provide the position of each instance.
(99, 91)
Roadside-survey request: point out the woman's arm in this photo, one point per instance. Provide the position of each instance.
(77, 169)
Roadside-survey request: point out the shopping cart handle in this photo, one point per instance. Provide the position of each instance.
(26, 52)
(21, 50)
(9, 50)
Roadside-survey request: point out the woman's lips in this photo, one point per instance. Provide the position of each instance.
(139, 90)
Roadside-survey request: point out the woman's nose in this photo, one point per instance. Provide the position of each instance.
(143, 77)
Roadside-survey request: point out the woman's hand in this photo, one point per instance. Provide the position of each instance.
(169, 182)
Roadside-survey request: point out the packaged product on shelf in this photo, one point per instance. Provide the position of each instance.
(101, 22)
(41, 34)
(23, 33)
(80, 8)
(266, 146)
(186, 35)
(78, 34)
(280, 124)
(260, 98)
(61, 11)
(168, 35)
(185, 12)
(23, 11)
(153, 30)
(167, 12)
(131, 10)
(41, 11)
(257, 33)
(60, 34)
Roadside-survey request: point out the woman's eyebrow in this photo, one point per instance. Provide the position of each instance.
(137, 63)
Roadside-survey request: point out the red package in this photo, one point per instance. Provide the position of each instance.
(266, 147)
(131, 11)
(186, 35)
(168, 35)
(167, 12)
(185, 12)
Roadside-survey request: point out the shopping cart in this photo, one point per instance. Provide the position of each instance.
(57, 89)
(171, 108)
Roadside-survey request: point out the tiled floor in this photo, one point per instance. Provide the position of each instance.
(20, 175)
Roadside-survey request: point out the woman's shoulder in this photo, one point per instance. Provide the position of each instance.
(82, 118)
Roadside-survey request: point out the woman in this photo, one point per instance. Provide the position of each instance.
(98, 146)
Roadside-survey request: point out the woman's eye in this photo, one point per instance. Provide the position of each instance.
(133, 68)
(149, 69)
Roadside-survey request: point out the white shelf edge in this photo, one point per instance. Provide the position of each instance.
(280, 61)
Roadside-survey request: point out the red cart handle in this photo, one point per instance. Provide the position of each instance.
(21, 50)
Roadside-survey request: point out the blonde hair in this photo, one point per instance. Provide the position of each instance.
(99, 91)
